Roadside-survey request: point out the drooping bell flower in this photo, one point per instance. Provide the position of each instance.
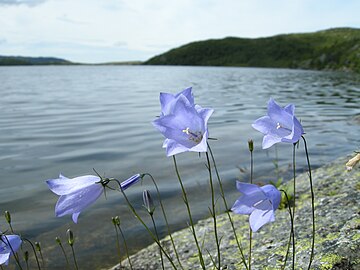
(280, 125)
(183, 124)
(76, 194)
(258, 202)
(8, 245)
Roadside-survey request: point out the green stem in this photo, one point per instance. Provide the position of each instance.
(118, 245)
(292, 233)
(145, 226)
(238, 242)
(33, 248)
(189, 214)
(157, 236)
(73, 253)
(251, 181)
(165, 218)
(125, 245)
(312, 203)
(294, 206)
(64, 253)
(213, 210)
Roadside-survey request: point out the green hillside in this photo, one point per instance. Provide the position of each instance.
(28, 61)
(335, 49)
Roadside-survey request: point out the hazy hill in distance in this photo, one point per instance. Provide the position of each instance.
(28, 61)
(332, 49)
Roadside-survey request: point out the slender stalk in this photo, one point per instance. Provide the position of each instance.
(33, 248)
(189, 214)
(145, 226)
(57, 239)
(291, 232)
(73, 253)
(118, 244)
(165, 218)
(294, 206)
(251, 181)
(238, 242)
(125, 245)
(312, 203)
(157, 236)
(213, 210)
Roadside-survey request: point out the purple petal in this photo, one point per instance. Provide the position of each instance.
(63, 185)
(241, 207)
(173, 148)
(5, 250)
(269, 141)
(75, 217)
(278, 114)
(252, 195)
(264, 124)
(273, 194)
(259, 218)
(77, 201)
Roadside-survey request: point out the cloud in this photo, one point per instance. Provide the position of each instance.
(65, 18)
(30, 3)
(2, 41)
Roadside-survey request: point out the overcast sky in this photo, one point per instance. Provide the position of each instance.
(94, 31)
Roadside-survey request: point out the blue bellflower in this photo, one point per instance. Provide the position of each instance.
(280, 125)
(75, 194)
(8, 245)
(183, 124)
(258, 202)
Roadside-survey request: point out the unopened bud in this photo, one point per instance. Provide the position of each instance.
(117, 221)
(57, 240)
(8, 217)
(26, 255)
(70, 236)
(251, 145)
(148, 202)
(38, 247)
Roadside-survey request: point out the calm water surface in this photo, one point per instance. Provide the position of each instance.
(72, 119)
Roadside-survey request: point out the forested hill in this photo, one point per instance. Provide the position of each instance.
(334, 49)
(27, 61)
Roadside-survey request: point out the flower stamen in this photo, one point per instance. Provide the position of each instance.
(193, 136)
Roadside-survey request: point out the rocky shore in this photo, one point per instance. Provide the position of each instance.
(337, 243)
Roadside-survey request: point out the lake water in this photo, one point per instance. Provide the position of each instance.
(71, 119)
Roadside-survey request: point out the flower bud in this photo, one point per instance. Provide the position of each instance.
(38, 247)
(130, 181)
(148, 202)
(70, 236)
(117, 221)
(26, 256)
(8, 217)
(251, 145)
(57, 240)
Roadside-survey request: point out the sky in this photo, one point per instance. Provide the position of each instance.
(96, 31)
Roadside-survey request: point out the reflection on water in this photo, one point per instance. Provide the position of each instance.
(72, 119)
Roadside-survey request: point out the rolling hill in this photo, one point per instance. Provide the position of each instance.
(332, 49)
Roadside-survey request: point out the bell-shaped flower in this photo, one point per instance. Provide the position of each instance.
(183, 124)
(8, 245)
(280, 125)
(75, 194)
(258, 202)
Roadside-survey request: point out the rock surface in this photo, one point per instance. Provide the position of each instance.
(337, 242)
